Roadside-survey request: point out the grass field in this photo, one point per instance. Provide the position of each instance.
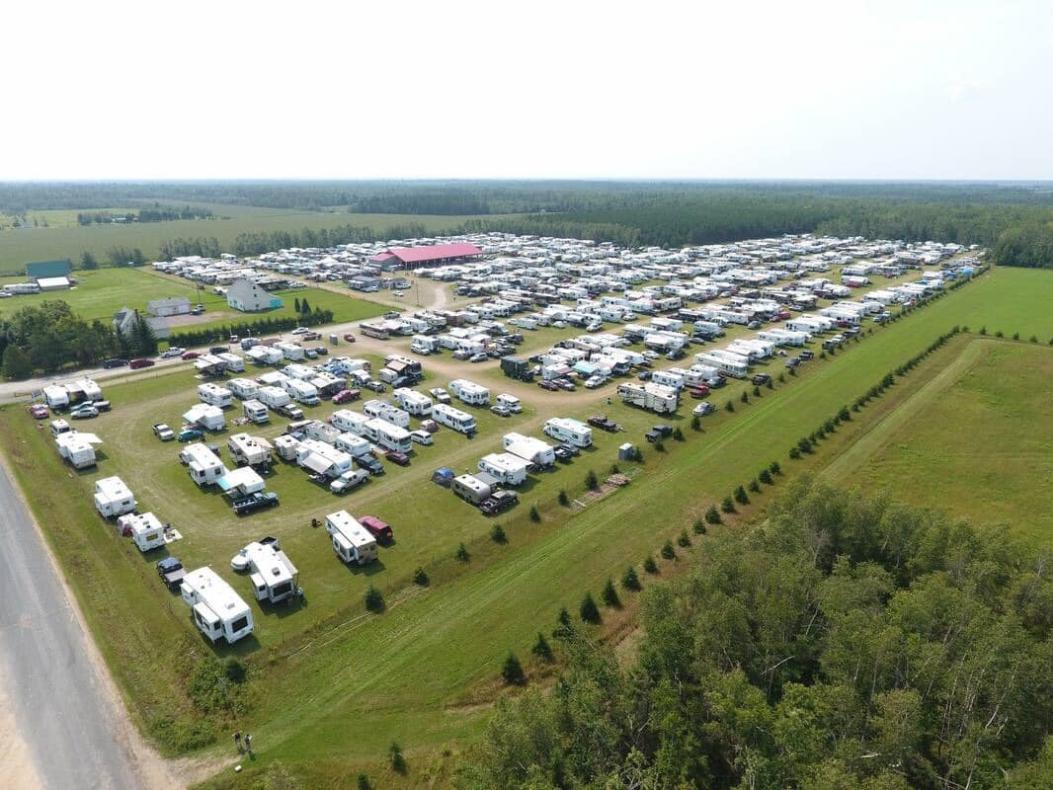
(64, 240)
(998, 468)
(340, 684)
(103, 292)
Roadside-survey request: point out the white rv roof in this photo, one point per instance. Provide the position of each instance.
(350, 529)
(215, 593)
(112, 488)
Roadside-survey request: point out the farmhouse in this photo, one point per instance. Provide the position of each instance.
(172, 305)
(126, 321)
(417, 257)
(250, 297)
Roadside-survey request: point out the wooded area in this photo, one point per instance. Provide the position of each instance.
(847, 642)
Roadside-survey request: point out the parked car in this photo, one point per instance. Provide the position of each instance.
(441, 395)
(478, 358)
(562, 453)
(793, 362)
(349, 337)
(300, 330)
(310, 334)
(378, 528)
(376, 386)
(198, 309)
(807, 354)
(349, 480)
(189, 434)
(703, 408)
(421, 437)
(292, 411)
(551, 386)
(600, 421)
(754, 325)
(566, 384)
(500, 411)
(115, 362)
(397, 457)
(346, 396)
(189, 355)
(760, 378)
(698, 392)
(172, 351)
(171, 572)
(370, 464)
(39, 411)
(499, 502)
(256, 501)
(644, 375)
(163, 432)
(310, 353)
(84, 412)
(322, 351)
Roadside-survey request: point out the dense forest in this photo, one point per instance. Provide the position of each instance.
(156, 213)
(844, 643)
(1014, 220)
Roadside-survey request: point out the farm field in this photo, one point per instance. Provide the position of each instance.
(997, 469)
(63, 240)
(342, 684)
(103, 292)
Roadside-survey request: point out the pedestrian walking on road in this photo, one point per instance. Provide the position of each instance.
(248, 743)
(237, 740)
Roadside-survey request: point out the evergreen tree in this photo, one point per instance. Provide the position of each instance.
(462, 553)
(374, 600)
(630, 581)
(590, 613)
(713, 515)
(740, 496)
(497, 534)
(542, 649)
(650, 565)
(668, 552)
(512, 671)
(88, 261)
(610, 595)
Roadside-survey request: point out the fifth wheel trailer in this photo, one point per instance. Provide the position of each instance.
(218, 611)
(652, 397)
(351, 542)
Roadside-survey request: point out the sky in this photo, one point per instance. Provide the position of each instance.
(656, 90)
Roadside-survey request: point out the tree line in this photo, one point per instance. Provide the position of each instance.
(257, 328)
(846, 642)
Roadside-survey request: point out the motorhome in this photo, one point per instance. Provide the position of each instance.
(536, 451)
(508, 468)
(388, 436)
(564, 429)
(469, 392)
(246, 450)
(113, 498)
(145, 529)
(203, 466)
(243, 389)
(78, 449)
(415, 403)
(255, 412)
(351, 542)
(215, 395)
(460, 421)
(470, 488)
(273, 397)
(218, 611)
(207, 416)
(385, 411)
(271, 572)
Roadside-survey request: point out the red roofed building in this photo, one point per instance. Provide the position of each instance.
(415, 257)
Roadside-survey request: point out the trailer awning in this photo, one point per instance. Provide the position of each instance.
(316, 463)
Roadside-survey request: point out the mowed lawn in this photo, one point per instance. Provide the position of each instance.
(340, 684)
(975, 443)
(101, 293)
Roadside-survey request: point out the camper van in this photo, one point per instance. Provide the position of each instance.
(271, 572)
(202, 465)
(460, 421)
(469, 392)
(145, 529)
(509, 402)
(218, 611)
(564, 429)
(351, 541)
(113, 498)
(508, 468)
(215, 395)
(255, 412)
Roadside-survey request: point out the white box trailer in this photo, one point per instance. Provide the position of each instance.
(669, 379)
(469, 392)
(454, 418)
(246, 450)
(202, 465)
(423, 344)
(273, 397)
(783, 337)
(145, 529)
(323, 432)
(508, 468)
(388, 436)
(265, 355)
(113, 498)
(323, 459)
(298, 371)
(565, 429)
(243, 389)
(255, 412)
(651, 397)
(351, 542)
(415, 403)
(78, 449)
(273, 576)
(218, 611)
(347, 421)
(536, 451)
(274, 378)
(215, 395)
(753, 350)
(380, 410)
(812, 324)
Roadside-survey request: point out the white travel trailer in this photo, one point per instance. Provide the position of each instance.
(460, 421)
(508, 468)
(113, 498)
(215, 395)
(564, 429)
(388, 436)
(273, 397)
(145, 529)
(424, 344)
(385, 411)
(78, 449)
(348, 421)
(469, 392)
(271, 572)
(734, 365)
(202, 465)
(323, 459)
(535, 451)
(351, 541)
(83, 390)
(218, 611)
(290, 351)
(234, 362)
(812, 324)
(652, 397)
(298, 371)
(302, 391)
(323, 432)
(751, 349)
(352, 444)
(415, 403)
(207, 416)
(255, 412)
(248, 450)
(56, 396)
(783, 337)
(243, 389)
(287, 447)
(668, 379)
(265, 355)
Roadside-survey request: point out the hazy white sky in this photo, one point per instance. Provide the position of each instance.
(305, 89)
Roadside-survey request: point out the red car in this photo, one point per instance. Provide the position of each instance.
(698, 391)
(349, 338)
(190, 355)
(38, 411)
(346, 396)
(379, 529)
(551, 386)
(397, 457)
(137, 364)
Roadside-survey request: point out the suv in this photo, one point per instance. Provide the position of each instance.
(115, 362)
(370, 464)
(260, 499)
(498, 502)
(441, 395)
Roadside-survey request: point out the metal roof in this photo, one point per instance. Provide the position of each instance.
(437, 252)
